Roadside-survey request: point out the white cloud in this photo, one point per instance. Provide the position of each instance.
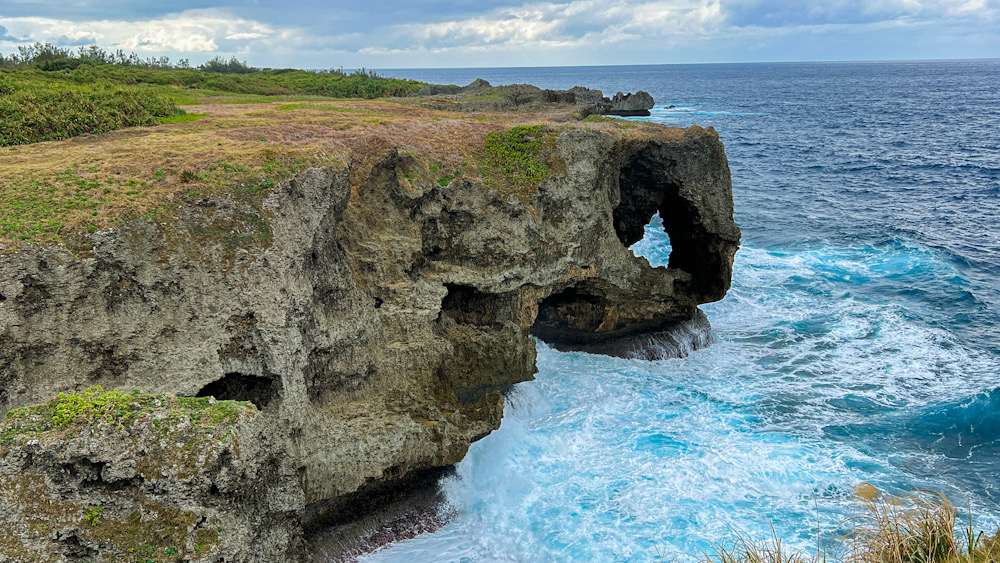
(657, 24)
(781, 13)
(547, 32)
(195, 31)
(571, 24)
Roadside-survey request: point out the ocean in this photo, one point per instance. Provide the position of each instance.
(860, 341)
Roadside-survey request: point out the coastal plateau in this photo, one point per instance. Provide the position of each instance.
(318, 304)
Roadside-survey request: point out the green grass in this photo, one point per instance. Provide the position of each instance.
(35, 107)
(183, 118)
(87, 97)
(515, 154)
(47, 208)
(94, 407)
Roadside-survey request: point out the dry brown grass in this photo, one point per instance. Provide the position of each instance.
(745, 550)
(921, 527)
(61, 191)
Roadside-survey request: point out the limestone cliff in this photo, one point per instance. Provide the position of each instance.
(375, 327)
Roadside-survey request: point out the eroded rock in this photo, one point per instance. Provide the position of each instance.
(630, 104)
(480, 95)
(376, 326)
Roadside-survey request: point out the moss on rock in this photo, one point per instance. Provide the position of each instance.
(68, 413)
(134, 461)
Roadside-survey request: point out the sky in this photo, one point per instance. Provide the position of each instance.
(394, 34)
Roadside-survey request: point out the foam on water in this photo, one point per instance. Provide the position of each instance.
(858, 342)
(677, 111)
(811, 387)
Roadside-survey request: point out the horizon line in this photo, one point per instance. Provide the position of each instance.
(824, 61)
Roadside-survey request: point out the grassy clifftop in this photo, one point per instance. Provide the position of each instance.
(241, 145)
(234, 130)
(47, 93)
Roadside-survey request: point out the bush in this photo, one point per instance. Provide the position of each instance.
(33, 108)
(222, 66)
(93, 64)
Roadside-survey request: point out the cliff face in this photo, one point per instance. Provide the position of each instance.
(374, 320)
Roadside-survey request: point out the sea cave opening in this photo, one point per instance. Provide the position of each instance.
(650, 214)
(260, 391)
(469, 306)
(650, 194)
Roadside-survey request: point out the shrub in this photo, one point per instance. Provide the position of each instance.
(514, 154)
(34, 108)
(222, 66)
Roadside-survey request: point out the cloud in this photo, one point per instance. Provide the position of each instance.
(552, 25)
(194, 31)
(781, 13)
(5, 37)
(545, 32)
(658, 24)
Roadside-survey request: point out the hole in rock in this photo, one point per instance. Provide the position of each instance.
(572, 307)
(642, 195)
(650, 196)
(2, 298)
(241, 387)
(467, 305)
(577, 315)
(655, 243)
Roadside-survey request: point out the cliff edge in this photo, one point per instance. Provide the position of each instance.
(366, 315)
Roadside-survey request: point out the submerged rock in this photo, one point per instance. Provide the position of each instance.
(373, 313)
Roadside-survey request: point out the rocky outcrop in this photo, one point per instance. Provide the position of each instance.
(480, 95)
(451, 89)
(157, 478)
(372, 315)
(630, 104)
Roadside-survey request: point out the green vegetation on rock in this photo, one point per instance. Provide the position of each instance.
(515, 154)
(44, 208)
(94, 408)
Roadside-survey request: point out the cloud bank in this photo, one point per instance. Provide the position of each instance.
(557, 32)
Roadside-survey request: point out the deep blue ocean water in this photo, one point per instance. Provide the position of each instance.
(860, 341)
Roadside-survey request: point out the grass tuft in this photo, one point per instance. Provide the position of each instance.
(918, 528)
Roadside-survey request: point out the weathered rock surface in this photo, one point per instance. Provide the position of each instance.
(480, 95)
(449, 89)
(376, 329)
(202, 482)
(630, 104)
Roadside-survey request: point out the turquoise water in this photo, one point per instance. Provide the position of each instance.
(859, 341)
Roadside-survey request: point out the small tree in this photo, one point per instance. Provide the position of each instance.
(222, 66)
(95, 54)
